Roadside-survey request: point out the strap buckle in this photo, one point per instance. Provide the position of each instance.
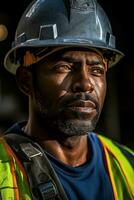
(47, 190)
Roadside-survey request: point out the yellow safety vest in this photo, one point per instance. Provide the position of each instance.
(14, 184)
(120, 171)
(13, 180)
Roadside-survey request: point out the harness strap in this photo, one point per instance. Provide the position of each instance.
(44, 183)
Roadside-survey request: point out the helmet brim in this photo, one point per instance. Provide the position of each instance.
(11, 64)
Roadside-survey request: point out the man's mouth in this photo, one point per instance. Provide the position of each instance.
(82, 106)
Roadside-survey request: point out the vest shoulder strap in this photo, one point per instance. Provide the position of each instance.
(13, 180)
(44, 182)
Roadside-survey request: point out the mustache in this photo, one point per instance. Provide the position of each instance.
(78, 96)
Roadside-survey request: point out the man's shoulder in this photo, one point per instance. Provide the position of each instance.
(116, 149)
(111, 142)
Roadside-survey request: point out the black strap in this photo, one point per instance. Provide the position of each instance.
(43, 180)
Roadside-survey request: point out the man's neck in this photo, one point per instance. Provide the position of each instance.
(73, 151)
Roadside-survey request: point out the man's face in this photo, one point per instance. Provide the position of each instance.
(69, 91)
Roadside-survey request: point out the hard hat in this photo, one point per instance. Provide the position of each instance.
(62, 23)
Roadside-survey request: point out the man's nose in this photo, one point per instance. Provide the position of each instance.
(82, 82)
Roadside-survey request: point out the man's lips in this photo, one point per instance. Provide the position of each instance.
(83, 104)
(79, 103)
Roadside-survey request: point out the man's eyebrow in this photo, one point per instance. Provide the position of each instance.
(70, 59)
(95, 62)
(74, 60)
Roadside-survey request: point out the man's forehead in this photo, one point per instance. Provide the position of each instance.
(87, 53)
(77, 53)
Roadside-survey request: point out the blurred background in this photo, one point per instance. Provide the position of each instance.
(117, 117)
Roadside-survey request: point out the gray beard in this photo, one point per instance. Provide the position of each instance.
(60, 126)
(65, 127)
(71, 127)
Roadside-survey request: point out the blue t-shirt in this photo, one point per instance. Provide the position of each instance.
(87, 182)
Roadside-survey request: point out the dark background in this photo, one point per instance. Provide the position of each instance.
(117, 117)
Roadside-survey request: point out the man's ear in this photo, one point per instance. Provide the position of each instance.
(24, 80)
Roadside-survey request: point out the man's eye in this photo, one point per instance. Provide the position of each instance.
(64, 68)
(97, 71)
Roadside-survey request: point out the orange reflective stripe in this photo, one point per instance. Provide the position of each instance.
(12, 167)
(8, 149)
(120, 170)
(11, 153)
(16, 185)
(111, 174)
(6, 179)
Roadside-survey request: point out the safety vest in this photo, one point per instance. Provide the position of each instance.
(14, 184)
(13, 180)
(119, 162)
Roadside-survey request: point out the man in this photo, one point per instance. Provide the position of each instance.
(61, 53)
